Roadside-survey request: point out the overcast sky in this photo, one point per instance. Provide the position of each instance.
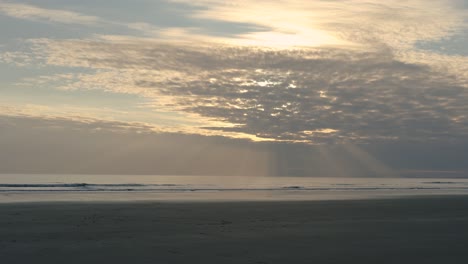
(297, 87)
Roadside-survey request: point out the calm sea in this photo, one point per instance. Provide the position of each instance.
(60, 187)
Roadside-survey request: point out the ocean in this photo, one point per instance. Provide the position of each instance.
(62, 187)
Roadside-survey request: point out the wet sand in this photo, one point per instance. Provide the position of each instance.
(406, 230)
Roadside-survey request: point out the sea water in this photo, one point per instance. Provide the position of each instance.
(61, 187)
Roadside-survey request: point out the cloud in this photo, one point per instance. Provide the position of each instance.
(30, 12)
(353, 89)
(66, 17)
(321, 95)
(360, 79)
(138, 121)
(310, 23)
(46, 117)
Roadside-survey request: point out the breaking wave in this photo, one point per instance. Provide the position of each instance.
(134, 187)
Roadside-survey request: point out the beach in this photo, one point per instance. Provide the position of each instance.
(397, 230)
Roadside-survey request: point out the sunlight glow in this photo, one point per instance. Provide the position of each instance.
(312, 38)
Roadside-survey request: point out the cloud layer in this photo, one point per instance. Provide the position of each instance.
(301, 75)
(30, 12)
(310, 95)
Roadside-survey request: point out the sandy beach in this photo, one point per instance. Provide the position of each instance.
(406, 230)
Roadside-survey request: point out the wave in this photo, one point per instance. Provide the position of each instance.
(444, 182)
(293, 187)
(27, 185)
(134, 187)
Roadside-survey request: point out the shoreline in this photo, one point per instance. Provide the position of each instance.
(219, 196)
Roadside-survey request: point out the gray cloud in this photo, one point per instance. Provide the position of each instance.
(362, 99)
(310, 95)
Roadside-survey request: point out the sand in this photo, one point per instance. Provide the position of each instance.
(410, 230)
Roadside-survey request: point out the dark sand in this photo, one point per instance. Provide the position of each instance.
(416, 230)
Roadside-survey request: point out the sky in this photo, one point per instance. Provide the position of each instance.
(325, 88)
